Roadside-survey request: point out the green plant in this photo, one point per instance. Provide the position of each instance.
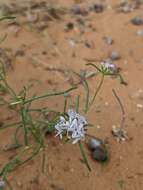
(35, 123)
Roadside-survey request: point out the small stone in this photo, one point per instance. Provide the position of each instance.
(56, 187)
(98, 8)
(137, 21)
(89, 44)
(94, 143)
(1, 124)
(140, 106)
(78, 10)
(100, 154)
(69, 26)
(138, 94)
(114, 56)
(20, 53)
(72, 43)
(108, 40)
(19, 184)
(127, 6)
(98, 126)
(140, 33)
(106, 103)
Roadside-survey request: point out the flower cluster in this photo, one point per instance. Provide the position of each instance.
(108, 66)
(74, 127)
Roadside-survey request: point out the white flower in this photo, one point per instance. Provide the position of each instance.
(107, 65)
(74, 127)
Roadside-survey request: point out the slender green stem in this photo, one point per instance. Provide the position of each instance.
(91, 64)
(35, 152)
(3, 38)
(10, 90)
(23, 116)
(84, 155)
(3, 101)
(49, 94)
(85, 84)
(98, 88)
(77, 103)
(18, 162)
(45, 109)
(43, 160)
(7, 17)
(122, 80)
(10, 125)
(15, 134)
(65, 104)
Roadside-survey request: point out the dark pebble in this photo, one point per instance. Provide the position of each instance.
(98, 8)
(99, 154)
(56, 187)
(137, 21)
(94, 143)
(77, 10)
(69, 26)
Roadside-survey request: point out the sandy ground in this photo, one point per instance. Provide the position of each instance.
(42, 47)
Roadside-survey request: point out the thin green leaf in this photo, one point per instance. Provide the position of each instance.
(77, 103)
(84, 155)
(86, 100)
(7, 17)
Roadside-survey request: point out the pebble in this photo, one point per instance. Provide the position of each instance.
(97, 7)
(138, 94)
(69, 26)
(140, 33)
(98, 149)
(99, 154)
(89, 44)
(72, 43)
(127, 7)
(19, 184)
(77, 10)
(137, 21)
(94, 143)
(56, 187)
(98, 126)
(114, 56)
(108, 40)
(139, 106)
(106, 103)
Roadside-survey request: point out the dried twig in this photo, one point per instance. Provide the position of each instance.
(120, 133)
(122, 109)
